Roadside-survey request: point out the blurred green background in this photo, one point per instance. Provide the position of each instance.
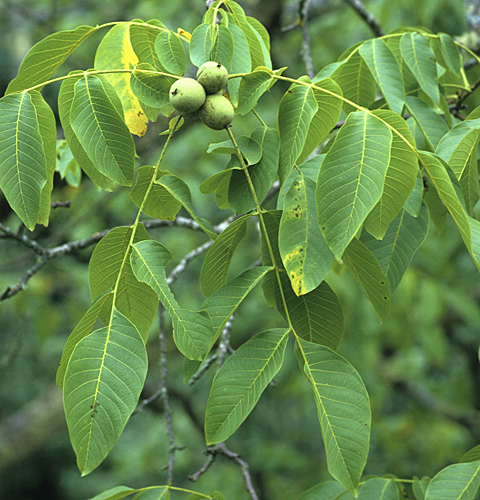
(420, 365)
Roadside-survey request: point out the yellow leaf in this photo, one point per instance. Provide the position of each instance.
(184, 33)
(115, 52)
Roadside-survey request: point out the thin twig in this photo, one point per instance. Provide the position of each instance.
(205, 366)
(306, 50)
(224, 343)
(369, 18)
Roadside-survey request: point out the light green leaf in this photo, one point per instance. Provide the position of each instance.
(305, 255)
(46, 56)
(23, 165)
(142, 38)
(395, 251)
(250, 148)
(110, 267)
(414, 201)
(222, 48)
(420, 486)
(379, 488)
(252, 87)
(217, 260)
(368, 273)
(225, 301)
(400, 178)
(239, 383)
(116, 493)
(176, 187)
(150, 88)
(160, 203)
(171, 53)
(430, 123)
(455, 482)
(65, 100)
(84, 328)
(48, 131)
(200, 44)
(350, 181)
(386, 71)
(241, 61)
(103, 381)
(343, 409)
(328, 490)
(153, 493)
(101, 130)
(192, 331)
(450, 53)
(472, 455)
(326, 117)
(420, 59)
(296, 110)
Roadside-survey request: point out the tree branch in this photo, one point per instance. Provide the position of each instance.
(369, 18)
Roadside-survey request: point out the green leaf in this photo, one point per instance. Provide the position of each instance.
(450, 53)
(316, 316)
(328, 490)
(177, 188)
(153, 493)
(150, 88)
(103, 381)
(110, 268)
(116, 493)
(252, 87)
(459, 148)
(23, 165)
(85, 327)
(200, 44)
(222, 48)
(420, 486)
(250, 148)
(420, 59)
(171, 53)
(296, 110)
(350, 181)
(455, 482)
(368, 273)
(380, 488)
(217, 260)
(65, 100)
(400, 178)
(46, 56)
(415, 200)
(225, 301)
(239, 383)
(160, 203)
(305, 255)
(343, 409)
(430, 123)
(101, 130)
(326, 117)
(386, 71)
(142, 38)
(192, 331)
(48, 132)
(395, 251)
(472, 455)
(241, 61)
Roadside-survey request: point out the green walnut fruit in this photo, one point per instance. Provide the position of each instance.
(217, 112)
(212, 76)
(187, 95)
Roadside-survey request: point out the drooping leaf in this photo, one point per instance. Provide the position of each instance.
(219, 255)
(386, 71)
(85, 327)
(200, 44)
(115, 52)
(430, 123)
(150, 88)
(455, 482)
(102, 384)
(142, 38)
(222, 48)
(23, 165)
(48, 132)
(65, 100)
(368, 273)
(192, 331)
(415, 200)
(101, 131)
(343, 409)
(419, 57)
(351, 179)
(171, 53)
(46, 56)
(110, 268)
(400, 178)
(305, 255)
(328, 490)
(450, 52)
(326, 117)
(295, 112)
(240, 382)
(420, 486)
(252, 87)
(160, 203)
(250, 148)
(401, 241)
(380, 488)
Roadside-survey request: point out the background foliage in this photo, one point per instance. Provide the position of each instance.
(420, 365)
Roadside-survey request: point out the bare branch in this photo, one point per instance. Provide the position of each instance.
(369, 18)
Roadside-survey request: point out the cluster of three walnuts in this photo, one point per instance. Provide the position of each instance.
(204, 97)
